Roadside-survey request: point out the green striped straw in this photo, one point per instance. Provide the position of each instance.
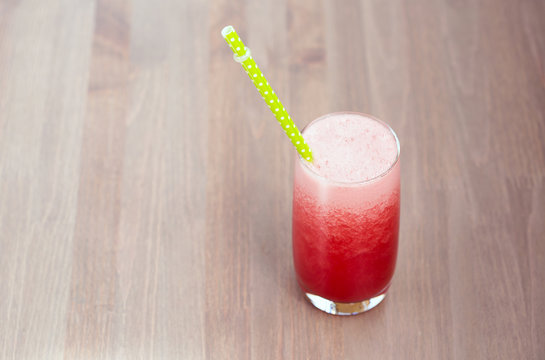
(243, 56)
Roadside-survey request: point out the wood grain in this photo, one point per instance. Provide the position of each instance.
(145, 190)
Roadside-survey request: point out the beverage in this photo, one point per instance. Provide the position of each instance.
(346, 212)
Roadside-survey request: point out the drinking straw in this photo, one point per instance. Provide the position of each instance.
(242, 55)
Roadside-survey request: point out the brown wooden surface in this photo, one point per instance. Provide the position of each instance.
(145, 189)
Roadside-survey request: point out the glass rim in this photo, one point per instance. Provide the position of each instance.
(357, 182)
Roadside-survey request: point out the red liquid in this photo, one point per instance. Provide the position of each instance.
(345, 234)
(341, 255)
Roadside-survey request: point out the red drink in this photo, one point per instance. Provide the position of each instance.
(346, 212)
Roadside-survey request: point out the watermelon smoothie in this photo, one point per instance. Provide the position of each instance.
(346, 212)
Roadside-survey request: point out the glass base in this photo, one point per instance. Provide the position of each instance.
(336, 308)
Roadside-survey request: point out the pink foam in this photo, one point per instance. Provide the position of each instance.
(351, 147)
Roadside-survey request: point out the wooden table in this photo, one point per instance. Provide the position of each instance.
(145, 189)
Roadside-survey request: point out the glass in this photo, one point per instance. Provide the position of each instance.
(345, 234)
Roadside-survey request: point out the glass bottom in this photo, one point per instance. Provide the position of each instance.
(336, 308)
